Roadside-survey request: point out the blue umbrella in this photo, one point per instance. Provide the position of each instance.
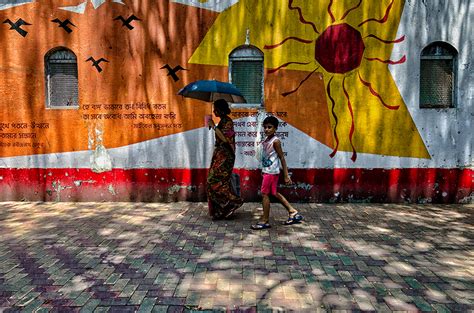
(211, 90)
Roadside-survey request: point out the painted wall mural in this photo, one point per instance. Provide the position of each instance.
(13, 3)
(332, 58)
(129, 73)
(344, 48)
(334, 74)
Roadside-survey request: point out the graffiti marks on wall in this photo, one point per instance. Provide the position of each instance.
(17, 26)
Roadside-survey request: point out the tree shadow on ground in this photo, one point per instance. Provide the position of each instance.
(129, 256)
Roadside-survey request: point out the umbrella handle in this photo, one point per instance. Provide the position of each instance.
(211, 116)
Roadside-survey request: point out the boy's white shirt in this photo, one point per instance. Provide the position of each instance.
(270, 155)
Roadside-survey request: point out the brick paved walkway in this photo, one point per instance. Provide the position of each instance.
(98, 257)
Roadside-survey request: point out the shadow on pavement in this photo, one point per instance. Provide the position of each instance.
(172, 257)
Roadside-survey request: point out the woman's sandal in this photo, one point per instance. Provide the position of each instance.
(297, 218)
(260, 226)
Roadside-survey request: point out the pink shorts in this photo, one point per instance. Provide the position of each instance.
(269, 184)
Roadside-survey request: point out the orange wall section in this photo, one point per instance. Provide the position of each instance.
(166, 34)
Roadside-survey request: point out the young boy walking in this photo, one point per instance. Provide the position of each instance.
(272, 158)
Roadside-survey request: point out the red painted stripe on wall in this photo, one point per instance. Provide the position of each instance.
(416, 185)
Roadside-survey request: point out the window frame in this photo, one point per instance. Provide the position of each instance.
(47, 75)
(251, 53)
(453, 55)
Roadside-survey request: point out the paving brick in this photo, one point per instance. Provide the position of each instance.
(137, 297)
(422, 304)
(441, 308)
(128, 291)
(90, 305)
(415, 284)
(82, 299)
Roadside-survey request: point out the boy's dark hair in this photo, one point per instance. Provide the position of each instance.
(222, 106)
(271, 120)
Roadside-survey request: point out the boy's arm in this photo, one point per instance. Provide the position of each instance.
(279, 151)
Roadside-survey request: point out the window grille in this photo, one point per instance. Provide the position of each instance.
(438, 76)
(61, 79)
(246, 73)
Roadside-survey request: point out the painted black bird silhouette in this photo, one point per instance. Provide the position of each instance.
(64, 24)
(96, 63)
(126, 22)
(172, 71)
(16, 26)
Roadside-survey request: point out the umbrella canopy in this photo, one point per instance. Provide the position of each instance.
(211, 90)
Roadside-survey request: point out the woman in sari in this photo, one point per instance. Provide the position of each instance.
(222, 200)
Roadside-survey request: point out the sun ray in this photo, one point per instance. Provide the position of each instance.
(285, 65)
(375, 93)
(286, 39)
(301, 83)
(383, 19)
(328, 90)
(333, 19)
(352, 130)
(402, 60)
(386, 41)
(302, 20)
(348, 11)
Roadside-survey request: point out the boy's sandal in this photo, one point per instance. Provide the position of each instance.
(260, 226)
(293, 219)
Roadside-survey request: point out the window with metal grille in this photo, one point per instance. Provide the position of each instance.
(61, 78)
(438, 76)
(246, 73)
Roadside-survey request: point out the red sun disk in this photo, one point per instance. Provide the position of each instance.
(339, 49)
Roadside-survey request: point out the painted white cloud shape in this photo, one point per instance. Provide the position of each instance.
(212, 5)
(13, 3)
(81, 8)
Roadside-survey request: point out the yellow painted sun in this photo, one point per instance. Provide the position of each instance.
(349, 43)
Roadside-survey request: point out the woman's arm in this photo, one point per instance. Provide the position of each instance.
(279, 151)
(219, 133)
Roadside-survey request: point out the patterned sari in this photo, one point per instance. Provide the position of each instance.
(222, 201)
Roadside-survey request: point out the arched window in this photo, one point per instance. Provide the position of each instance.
(61, 78)
(246, 73)
(438, 76)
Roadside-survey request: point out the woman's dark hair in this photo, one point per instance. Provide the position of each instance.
(222, 106)
(271, 120)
